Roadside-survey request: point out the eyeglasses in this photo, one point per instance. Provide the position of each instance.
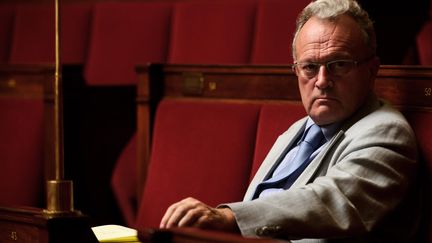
(335, 67)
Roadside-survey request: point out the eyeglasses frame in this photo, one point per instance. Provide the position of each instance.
(355, 63)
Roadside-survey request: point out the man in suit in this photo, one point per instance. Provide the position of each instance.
(355, 185)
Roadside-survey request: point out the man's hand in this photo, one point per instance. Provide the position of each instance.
(192, 213)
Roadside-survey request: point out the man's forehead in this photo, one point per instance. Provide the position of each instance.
(341, 34)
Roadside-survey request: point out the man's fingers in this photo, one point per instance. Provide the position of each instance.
(166, 216)
(169, 217)
(191, 212)
(176, 212)
(190, 217)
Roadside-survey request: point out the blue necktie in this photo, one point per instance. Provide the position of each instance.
(310, 142)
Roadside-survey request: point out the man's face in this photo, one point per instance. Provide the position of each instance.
(329, 97)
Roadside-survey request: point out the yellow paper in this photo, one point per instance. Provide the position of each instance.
(112, 233)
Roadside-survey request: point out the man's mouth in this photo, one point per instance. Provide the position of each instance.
(325, 98)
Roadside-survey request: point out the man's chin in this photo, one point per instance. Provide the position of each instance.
(325, 116)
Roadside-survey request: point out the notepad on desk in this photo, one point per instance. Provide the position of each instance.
(112, 233)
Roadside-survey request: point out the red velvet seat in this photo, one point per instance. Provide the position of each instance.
(212, 32)
(199, 149)
(21, 152)
(33, 38)
(7, 14)
(275, 25)
(274, 120)
(123, 35)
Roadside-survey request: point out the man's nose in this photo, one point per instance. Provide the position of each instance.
(323, 78)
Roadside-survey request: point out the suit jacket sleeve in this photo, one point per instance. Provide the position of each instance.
(366, 175)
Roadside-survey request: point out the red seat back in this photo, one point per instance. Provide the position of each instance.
(424, 44)
(182, 164)
(275, 25)
(34, 33)
(124, 182)
(123, 35)
(274, 120)
(212, 32)
(7, 14)
(21, 152)
(75, 32)
(33, 39)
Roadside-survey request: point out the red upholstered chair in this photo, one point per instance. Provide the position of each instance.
(123, 35)
(212, 32)
(33, 38)
(199, 149)
(7, 13)
(274, 120)
(124, 182)
(185, 48)
(21, 152)
(424, 44)
(275, 25)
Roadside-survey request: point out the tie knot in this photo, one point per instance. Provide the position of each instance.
(314, 135)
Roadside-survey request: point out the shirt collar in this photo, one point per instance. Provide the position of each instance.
(328, 130)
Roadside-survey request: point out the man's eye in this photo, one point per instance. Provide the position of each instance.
(340, 64)
(309, 67)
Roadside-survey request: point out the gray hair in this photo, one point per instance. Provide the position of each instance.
(331, 10)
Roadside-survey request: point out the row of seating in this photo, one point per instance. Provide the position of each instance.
(110, 38)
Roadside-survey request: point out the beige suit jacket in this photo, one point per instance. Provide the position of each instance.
(357, 189)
